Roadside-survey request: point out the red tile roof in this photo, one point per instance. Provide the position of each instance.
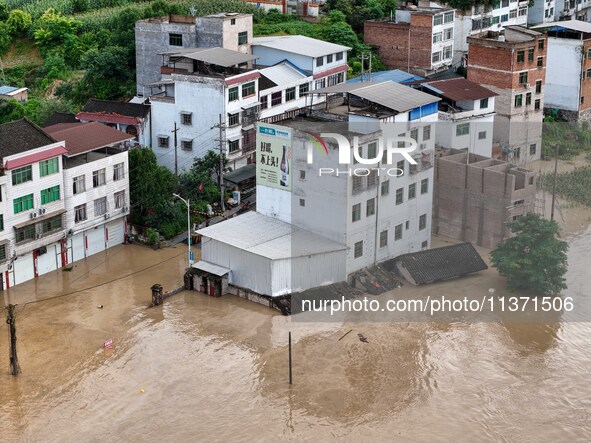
(458, 89)
(34, 158)
(85, 137)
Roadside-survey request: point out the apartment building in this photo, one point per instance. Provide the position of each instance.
(512, 63)
(157, 35)
(568, 74)
(541, 11)
(418, 39)
(466, 114)
(572, 10)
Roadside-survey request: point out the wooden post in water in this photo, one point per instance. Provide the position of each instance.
(10, 320)
(554, 184)
(290, 372)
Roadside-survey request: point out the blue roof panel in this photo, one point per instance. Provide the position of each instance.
(395, 75)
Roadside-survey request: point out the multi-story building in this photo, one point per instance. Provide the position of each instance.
(418, 39)
(476, 197)
(481, 18)
(572, 10)
(38, 219)
(174, 33)
(512, 63)
(541, 11)
(568, 74)
(466, 114)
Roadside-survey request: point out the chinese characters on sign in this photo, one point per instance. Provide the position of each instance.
(274, 156)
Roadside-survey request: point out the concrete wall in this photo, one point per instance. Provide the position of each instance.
(563, 73)
(472, 142)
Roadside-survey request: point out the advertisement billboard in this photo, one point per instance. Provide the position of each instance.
(273, 144)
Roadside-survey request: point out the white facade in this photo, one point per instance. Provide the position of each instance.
(572, 10)
(542, 11)
(563, 73)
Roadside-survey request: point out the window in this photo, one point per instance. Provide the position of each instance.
(531, 181)
(187, 145)
(186, 118)
(523, 77)
(398, 232)
(371, 150)
(522, 12)
(175, 39)
(290, 94)
(23, 203)
(448, 34)
(2, 252)
(233, 145)
(100, 206)
(48, 167)
(79, 184)
(338, 56)
(582, 99)
(399, 196)
(383, 238)
(80, 213)
(264, 102)
(422, 222)
(462, 129)
(436, 57)
(370, 207)
(302, 202)
(588, 73)
(513, 13)
(412, 191)
(528, 99)
(448, 17)
(118, 171)
(407, 224)
(276, 98)
(233, 21)
(98, 178)
(495, 20)
(319, 84)
(400, 168)
(437, 37)
(304, 88)
(505, 18)
(233, 94)
(358, 249)
(1, 222)
(426, 133)
(484, 103)
(25, 233)
(163, 141)
(248, 89)
(425, 244)
(356, 213)
(302, 175)
(537, 104)
(385, 187)
(424, 186)
(22, 175)
(532, 149)
(119, 199)
(517, 153)
(51, 224)
(447, 52)
(319, 61)
(50, 195)
(504, 3)
(518, 100)
(530, 55)
(539, 87)
(357, 184)
(437, 19)
(233, 119)
(329, 58)
(540, 62)
(242, 38)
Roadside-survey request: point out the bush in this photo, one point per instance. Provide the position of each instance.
(19, 23)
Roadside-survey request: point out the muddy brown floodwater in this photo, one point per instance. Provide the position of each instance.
(205, 369)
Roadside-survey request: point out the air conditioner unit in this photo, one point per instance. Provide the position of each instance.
(34, 214)
(423, 146)
(42, 211)
(527, 86)
(107, 216)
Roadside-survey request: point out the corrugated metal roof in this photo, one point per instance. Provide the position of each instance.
(282, 74)
(269, 237)
(215, 56)
(394, 75)
(7, 89)
(300, 44)
(459, 89)
(575, 25)
(211, 268)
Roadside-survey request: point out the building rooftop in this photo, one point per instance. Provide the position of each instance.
(119, 108)
(213, 56)
(7, 89)
(394, 75)
(299, 44)
(269, 237)
(573, 25)
(457, 89)
(85, 137)
(60, 117)
(444, 263)
(283, 73)
(511, 34)
(20, 136)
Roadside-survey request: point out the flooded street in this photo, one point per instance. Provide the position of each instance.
(206, 369)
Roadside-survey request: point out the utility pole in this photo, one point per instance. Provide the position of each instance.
(222, 127)
(554, 184)
(369, 77)
(176, 160)
(10, 320)
(362, 57)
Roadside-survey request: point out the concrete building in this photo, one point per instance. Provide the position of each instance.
(419, 39)
(302, 8)
(354, 219)
(476, 197)
(572, 10)
(568, 74)
(132, 118)
(154, 36)
(512, 63)
(466, 114)
(14, 93)
(541, 11)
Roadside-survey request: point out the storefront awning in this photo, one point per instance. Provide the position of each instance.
(210, 268)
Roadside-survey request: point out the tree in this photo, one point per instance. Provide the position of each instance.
(209, 165)
(534, 258)
(53, 29)
(19, 22)
(5, 38)
(3, 11)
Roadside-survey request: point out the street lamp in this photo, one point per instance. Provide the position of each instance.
(188, 227)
